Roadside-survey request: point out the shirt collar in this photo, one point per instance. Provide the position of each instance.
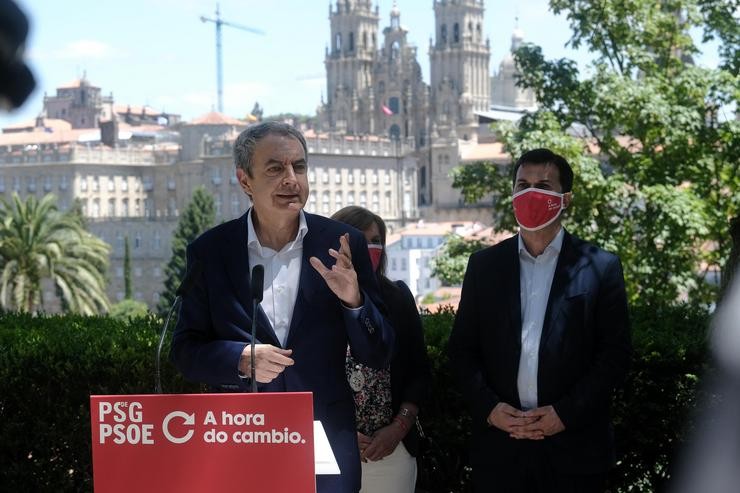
(254, 242)
(554, 247)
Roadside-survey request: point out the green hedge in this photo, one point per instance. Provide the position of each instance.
(49, 366)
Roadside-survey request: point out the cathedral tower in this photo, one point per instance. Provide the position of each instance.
(459, 58)
(349, 66)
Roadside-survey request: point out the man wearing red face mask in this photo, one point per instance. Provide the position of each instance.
(540, 341)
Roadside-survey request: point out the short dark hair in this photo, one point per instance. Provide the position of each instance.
(247, 141)
(361, 218)
(546, 156)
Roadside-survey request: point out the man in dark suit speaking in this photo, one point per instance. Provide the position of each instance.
(319, 296)
(540, 341)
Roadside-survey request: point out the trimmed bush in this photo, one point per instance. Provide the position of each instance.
(49, 366)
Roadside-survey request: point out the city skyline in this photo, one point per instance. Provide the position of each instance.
(131, 51)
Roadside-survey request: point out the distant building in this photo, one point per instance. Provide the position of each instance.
(411, 249)
(138, 182)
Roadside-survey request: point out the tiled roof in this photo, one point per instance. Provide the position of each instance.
(215, 118)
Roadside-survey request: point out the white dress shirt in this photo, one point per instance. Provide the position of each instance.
(535, 278)
(282, 275)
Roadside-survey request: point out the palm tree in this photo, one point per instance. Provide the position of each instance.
(39, 242)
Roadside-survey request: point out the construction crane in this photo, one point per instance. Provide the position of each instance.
(219, 61)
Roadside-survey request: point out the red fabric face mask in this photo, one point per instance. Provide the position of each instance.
(535, 209)
(375, 251)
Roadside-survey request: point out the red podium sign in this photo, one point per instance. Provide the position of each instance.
(203, 443)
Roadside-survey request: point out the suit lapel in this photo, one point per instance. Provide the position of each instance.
(236, 260)
(309, 279)
(565, 270)
(515, 300)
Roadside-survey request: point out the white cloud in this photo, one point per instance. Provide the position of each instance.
(85, 49)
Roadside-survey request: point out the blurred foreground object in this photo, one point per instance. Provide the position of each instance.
(711, 464)
(16, 79)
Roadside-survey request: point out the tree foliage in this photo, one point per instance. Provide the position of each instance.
(450, 262)
(38, 243)
(650, 135)
(128, 288)
(199, 215)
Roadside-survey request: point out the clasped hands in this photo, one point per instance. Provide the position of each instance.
(534, 424)
(381, 444)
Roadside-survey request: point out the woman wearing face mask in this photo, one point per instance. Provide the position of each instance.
(387, 401)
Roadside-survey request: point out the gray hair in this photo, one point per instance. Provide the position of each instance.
(246, 143)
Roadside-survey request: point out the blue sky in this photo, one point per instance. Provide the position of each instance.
(158, 52)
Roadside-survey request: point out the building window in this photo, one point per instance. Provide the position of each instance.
(403, 264)
(137, 208)
(31, 184)
(351, 42)
(111, 184)
(148, 208)
(171, 183)
(338, 42)
(95, 208)
(324, 177)
(83, 184)
(217, 200)
(111, 207)
(325, 203)
(96, 184)
(124, 183)
(157, 272)
(157, 243)
(387, 177)
(124, 208)
(2, 184)
(234, 205)
(119, 241)
(312, 202)
(376, 201)
(443, 34)
(337, 177)
(311, 177)
(171, 207)
(351, 198)
(375, 177)
(137, 271)
(456, 33)
(363, 178)
(216, 175)
(363, 199)
(137, 241)
(47, 183)
(148, 183)
(155, 298)
(387, 205)
(350, 178)
(119, 271)
(337, 201)
(393, 264)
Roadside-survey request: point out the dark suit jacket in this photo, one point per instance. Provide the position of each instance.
(216, 318)
(410, 371)
(584, 351)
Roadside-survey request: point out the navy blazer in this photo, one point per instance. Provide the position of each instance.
(584, 350)
(216, 317)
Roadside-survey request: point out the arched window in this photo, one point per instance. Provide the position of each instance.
(395, 50)
(338, 42)
(443, 34)
(456, 33)
(395, 132)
